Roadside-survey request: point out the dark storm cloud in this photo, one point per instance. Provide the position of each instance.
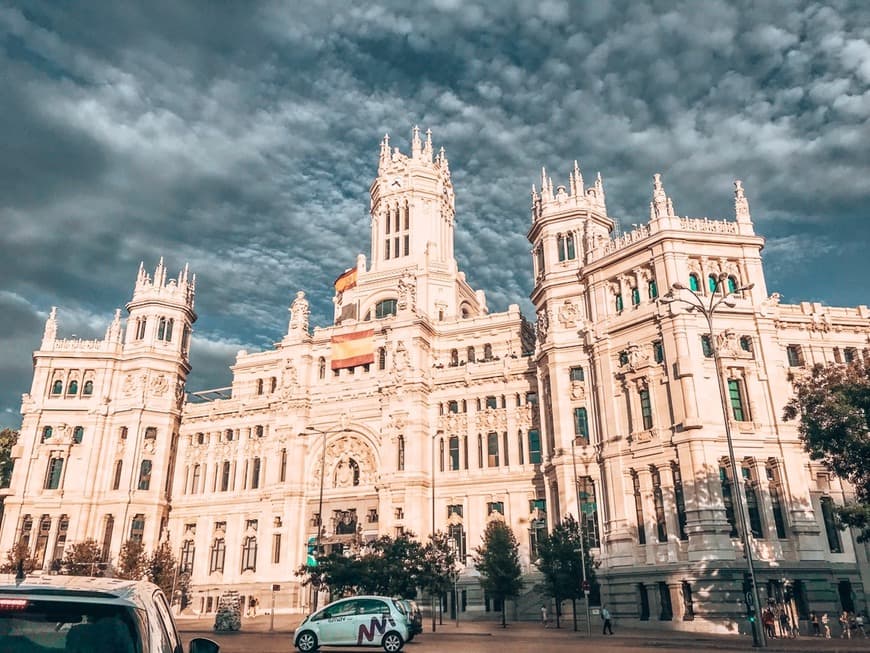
(242, 138)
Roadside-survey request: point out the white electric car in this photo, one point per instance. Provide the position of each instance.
(355, 621)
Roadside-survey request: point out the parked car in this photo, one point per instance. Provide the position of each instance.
(415, 617)
(79, 614)
(355, 621)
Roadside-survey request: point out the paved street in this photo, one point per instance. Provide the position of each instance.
(489, 637)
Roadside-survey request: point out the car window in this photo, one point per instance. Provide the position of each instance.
(346, 608)
(371, 606)
(40, 625)
(171, 643)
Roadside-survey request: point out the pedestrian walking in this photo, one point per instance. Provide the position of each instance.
(814, 622)
(826, 625)
(845, 633)
(785, 624)
(859, 625)
(605, 615)
(545, 620)
(768, 621)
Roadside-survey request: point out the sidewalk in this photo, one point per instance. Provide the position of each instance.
(285, 624)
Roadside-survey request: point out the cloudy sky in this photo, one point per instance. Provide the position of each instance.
(242, 138)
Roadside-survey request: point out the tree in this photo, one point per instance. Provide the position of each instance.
(18, 555)
(340, 573)
(162, 570)
(560, 563)
(84, 558)
(393, 566)
(438, 564)
(498, 561)
(833, 405)
(132, 561)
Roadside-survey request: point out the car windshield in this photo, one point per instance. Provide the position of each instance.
(40, 626)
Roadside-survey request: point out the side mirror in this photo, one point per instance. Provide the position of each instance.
(203, 645)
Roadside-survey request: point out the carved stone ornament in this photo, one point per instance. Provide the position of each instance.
(728, 344)
(769, 304)
(637, 357)
(578, 390)
(159, 385)
(299, 313)
(341, 456)
(401, 362)
(568, 314)
(149, 447)
(492, 419)
(543, 324)
(407, 291)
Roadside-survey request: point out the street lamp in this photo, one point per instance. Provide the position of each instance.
(582, 549)
(708, 308)
(320, 527)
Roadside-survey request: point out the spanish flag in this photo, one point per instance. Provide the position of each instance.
(353, 349)
(346, 280)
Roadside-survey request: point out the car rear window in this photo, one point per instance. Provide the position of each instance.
(41, 626)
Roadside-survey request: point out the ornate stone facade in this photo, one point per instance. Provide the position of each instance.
(447, 416)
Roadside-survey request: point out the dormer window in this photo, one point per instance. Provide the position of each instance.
(73, 387)
(88, 388)
(57, 387)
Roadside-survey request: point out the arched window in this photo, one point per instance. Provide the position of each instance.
(452, 407)
(161, 329)
(732, 284)
(470, 354)
(73, 387)
(321, 368)
(694, 283)
(249, 554)
(107, 534)
(258, 431)
(200, 438)
(145, 475)
(635, 296)
(712, 282)
(228, 435)
(400, 453)
(195, 479)
(355, 468)
(454, 357)
(88, 388)
(652, 289)
(618, 303)
(487, 352)
(385, 308)
(116, 479)
(566, 247)
(46, 433)
(57, 387)
(382, 358)
(78, 434)
(140, 328)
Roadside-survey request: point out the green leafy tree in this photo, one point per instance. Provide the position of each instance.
(84, 558)
(341, 574)
(162, 570)
(560, 562)
(8, 438)
(438, 565)
(833, 406)
(18, 555)
(392, 566)
(132, 561)
(498, 561)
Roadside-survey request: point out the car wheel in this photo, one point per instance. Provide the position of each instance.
(307, 642)
(392, 642)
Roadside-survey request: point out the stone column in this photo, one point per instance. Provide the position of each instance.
(666, 477)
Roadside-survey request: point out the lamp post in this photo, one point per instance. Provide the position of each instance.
(324, 434)
(708, 308)
(582, 549)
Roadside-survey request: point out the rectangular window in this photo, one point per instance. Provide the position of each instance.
(151, 433)
(491, 402)
(387, 249)
(407, 244)
(534, 447)
(838, 356)
(735, 394)
(492, 449)
(137, 528)
(396, 253)
(679, 500)
(576, 374)
(658, 351)
(225, 476)
(776, 506)
(850, 354)
(454, 509)
(659, 505)
(53, 472)
(795, 355)
(646, 409)
(504, 449)
(255, 474)
(520, 448)
(707, 346)
(638, 509)
(727, 500)
(283, 469)
(831, 530)
(589, 512)
(276, 548)
(581, 425)
(495, 506)
(454, 453)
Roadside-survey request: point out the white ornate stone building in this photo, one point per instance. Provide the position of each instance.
(417, 409)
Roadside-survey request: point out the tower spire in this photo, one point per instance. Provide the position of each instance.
(416, 145)
(661, 205)
(385, 154)
(427, 149)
